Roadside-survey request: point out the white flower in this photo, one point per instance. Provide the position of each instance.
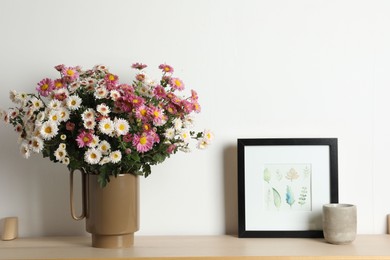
(185, 136)
(188, 121)
(92, 156)
(121, 126)
(202, 144)
(208, 135)
(74, 86)
(13, 113)
(66, 161)
(104, 147)
(170, 133)
(25, 150)
(88, 114)
(41, 116)
(100, 92)
(12, 95)
(64, 114)
(114, 94)
(60, 154)
(36, 103)
(20, 98)
(115, 156)
(54, 116)
(89, 123)
(55, 104)
(106, 126)
(105, 160)
(177, 123)
(73, 102)
(37, 144)
(103, 109)
(62, 146)
(49, 129)
(94, 142)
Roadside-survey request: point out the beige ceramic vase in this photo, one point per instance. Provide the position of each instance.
(112, 212)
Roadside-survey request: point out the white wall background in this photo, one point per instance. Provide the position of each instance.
(262, 69)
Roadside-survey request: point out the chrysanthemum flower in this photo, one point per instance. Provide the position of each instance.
(24, 150)
(194, 95)
(185, 136)
(166, 68)
(37, 144)
(170, 133)
(74, 86)
(59, 83)
(106, 126)
(202, 144)
(45, 86)
(95, 141)
(115, 156)
(138, 66)
(64, 114)
(54, 116)
(84, 139)
(49, 129)
(159, 92)
(89, 123)
(60, 154)
(114, 95)
(176, 83)
(103, 109)
(70, 73)
(60, 94)
(88, 114)
(142, 113)
(104, 160)
(158, 116)
(208, 135)
(197, 107)
(73, 102)
(92, 156)
(177, 123)
(111, 78)
(143, 143)
(100, 92)
(121, 126)
(66, 161)
(36, 103)
(55, 104)
(104, 147)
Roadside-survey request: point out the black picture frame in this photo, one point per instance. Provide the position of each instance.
(264, 163)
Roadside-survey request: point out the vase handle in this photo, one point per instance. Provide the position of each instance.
(83, 194)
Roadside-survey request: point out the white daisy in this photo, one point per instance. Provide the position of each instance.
(49, 129)
(74, 86)
(55, 104)
(100, 92)
(115, 156)
(95, 141)
(41, 116)
(36, 103)
(88, 114)
(185, 135)
(106, 126)
(105, 160)
(62, 146)
(54, 116)
(177, 123)
(170, 133)
(114, 95)
(89, 123)
(12, 95)
(202, 144)
(188, 121)
(121, 126)
(13, 113)
(92, 156)
(73, 102)
(103, 109)
(208, 135)
(37, 144)
(25, 150)
(64, 114)
(104, 147)
(60, 154)
(66, 161)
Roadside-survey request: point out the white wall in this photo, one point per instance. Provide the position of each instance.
(262, 69)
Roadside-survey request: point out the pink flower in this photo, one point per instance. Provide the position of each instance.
(176, 83)
(174, 99)
(138, 66)
(70, 73)
(111, 78)
(171, 148)
(157, 115)
(70, 126)
(171, 109)
(197, 108)
(127, 138)
(142, 113)
(187, 106)
(143, 143)
(59, 83)
(59, 67)
(45, 87)
(194, 95)
(159, 92)
(166, 68)
(84, 139)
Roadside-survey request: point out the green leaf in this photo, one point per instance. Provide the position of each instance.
(277, 198)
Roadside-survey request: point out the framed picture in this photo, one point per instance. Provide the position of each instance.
(283, 184)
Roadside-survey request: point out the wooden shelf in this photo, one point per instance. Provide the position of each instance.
(200, 247)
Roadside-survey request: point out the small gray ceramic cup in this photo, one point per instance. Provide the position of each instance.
(339, 223)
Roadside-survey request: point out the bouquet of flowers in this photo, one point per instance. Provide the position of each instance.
(89, 121)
